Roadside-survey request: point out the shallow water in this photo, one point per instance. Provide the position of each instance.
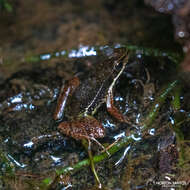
(32, 144)
(37, 57)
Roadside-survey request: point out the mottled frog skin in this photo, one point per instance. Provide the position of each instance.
(85, 97)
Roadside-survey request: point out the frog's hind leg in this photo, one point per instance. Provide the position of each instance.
(108, 147)
(66, 91)
(110, 101)
(113, 110)
(104, 149)
(97, 142)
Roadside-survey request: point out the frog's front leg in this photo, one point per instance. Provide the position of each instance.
(66, 91)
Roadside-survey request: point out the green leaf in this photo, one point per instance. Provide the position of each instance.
(8, 7)
(47, 181)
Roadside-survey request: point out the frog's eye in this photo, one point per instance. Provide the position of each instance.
(117, 65)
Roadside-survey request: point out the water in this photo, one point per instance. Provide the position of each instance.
(33, 145)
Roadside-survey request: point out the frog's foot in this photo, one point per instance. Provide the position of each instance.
(108, 147)
(95, 140)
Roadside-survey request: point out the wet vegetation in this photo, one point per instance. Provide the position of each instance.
(150, 152)
(5, 6)
(34, 153)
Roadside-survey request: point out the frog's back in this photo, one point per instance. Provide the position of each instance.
(93, 88)
(88, 96)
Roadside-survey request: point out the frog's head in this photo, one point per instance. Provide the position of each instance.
(119, 55)
(113, 64)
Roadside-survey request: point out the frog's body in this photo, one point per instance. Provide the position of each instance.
(85, 97)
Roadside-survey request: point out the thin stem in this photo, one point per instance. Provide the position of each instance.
(176, 99)
(88, 148)
(158, 103)
(93, 167)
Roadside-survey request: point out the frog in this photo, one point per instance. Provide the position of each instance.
(85, 97)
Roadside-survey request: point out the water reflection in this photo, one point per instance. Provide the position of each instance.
(55, 159)
(17, 98)
(19, 107)
(82, 52)
(29, 98)
(123, 156)
(181, 34)
(16, 162)
(108, 124)
(29, 144)
(118, 136)
(138, 117)
(172, 120)
(135, 137)
(69, 185)
(45, 56)
(152, 131)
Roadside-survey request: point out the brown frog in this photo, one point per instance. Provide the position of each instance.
(84, 98)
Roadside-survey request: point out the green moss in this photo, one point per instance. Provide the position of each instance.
(5, 5)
